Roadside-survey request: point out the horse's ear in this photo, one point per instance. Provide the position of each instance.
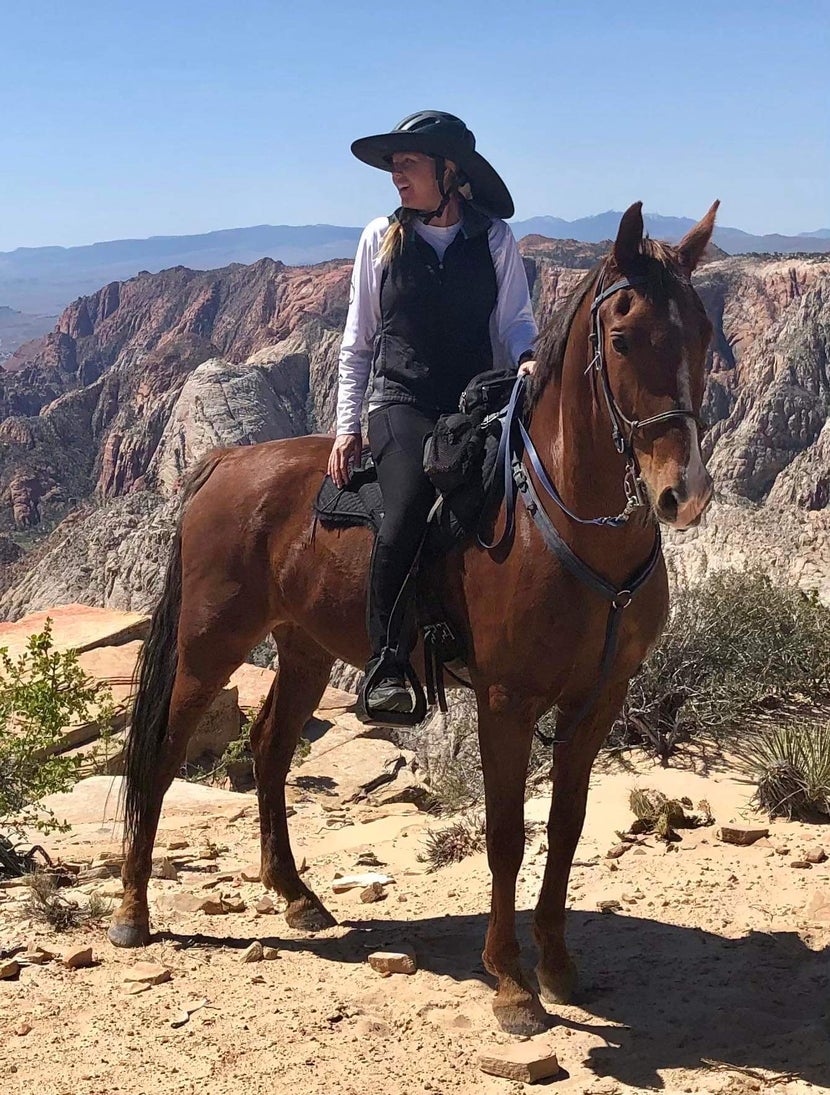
(694, 243)
(629, 237)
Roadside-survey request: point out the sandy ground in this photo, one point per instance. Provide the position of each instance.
(713, 977)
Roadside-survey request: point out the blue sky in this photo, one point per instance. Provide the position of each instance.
(123, 119)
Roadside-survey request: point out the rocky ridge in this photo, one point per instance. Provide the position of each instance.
(142, 378)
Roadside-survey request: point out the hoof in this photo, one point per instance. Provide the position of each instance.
(307, 917)
(559, 986)
(128, 935)
(522, 1020)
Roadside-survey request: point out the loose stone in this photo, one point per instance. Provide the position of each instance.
(525, 1062)
(386, 962)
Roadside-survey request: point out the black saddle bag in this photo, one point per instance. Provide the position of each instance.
(454, 451)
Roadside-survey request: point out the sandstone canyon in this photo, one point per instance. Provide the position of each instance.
(100, 418)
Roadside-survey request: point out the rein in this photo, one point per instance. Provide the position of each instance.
(515, 442)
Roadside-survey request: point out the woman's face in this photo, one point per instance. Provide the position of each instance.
(413, 174)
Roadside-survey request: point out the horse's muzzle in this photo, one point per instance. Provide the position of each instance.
(683, 505)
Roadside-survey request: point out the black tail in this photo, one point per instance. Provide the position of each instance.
(156, 673)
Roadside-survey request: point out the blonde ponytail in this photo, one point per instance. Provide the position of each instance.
(394, 236)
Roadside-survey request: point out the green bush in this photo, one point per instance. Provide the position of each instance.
(735, 643)
(41, 692)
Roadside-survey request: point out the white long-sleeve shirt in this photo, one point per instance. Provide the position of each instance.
(512, 325)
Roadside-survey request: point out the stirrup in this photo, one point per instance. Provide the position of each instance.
(374, 716)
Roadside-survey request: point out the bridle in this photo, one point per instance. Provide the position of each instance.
(624, 429)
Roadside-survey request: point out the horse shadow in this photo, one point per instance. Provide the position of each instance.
(659, 995)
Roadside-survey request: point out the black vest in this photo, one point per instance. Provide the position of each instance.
(434, 333)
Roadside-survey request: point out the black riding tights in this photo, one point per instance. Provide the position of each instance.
(396, 437)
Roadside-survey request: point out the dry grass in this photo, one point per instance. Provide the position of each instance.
(47, 905)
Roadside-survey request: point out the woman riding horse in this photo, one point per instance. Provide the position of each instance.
(612, 416)
(439, 294)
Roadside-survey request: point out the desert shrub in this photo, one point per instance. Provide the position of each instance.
(455, 842)
(734, 642)
(466, 836)
(790, 766)
(42, 691)
(49, 906)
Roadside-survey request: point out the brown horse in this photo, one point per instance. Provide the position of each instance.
(245, 563)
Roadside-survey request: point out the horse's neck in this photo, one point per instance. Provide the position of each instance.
(572, 433)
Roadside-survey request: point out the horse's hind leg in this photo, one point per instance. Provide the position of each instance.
(556, 971)
(303, 673)
(206, 658)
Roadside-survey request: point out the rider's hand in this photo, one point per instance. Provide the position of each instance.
(526, 368)
(345, 454)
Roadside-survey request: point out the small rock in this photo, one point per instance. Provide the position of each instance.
(617, 851)
(609, 906)
(233, 904)
(23, 1029)
(526, 1062)
(176, 845)
(9, 969)
(78, 958)
(639, 851)
(386, 962)
(179, 1019)
(35, 958)
(368, 859)
(181, 902)
(818, 907)
(250, 874)
(136, 988)
(372, 893)
(344, 882)
(253, 953)
(782, 850)
(816, 855)
(270, 953)
(94, 874)
(266, 905)
(164, 868)
(740, 834)
(213, 906)
(802, 865)
(147, 973)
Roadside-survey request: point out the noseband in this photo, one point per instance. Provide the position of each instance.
(624, 429)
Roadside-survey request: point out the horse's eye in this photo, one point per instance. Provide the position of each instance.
(619, 344)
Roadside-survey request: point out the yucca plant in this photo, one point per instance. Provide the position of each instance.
(790, 765)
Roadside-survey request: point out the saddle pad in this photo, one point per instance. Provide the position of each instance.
(360, 502)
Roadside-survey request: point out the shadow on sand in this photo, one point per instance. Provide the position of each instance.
(676, 995)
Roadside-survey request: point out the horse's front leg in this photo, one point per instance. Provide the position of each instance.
(505, 727)
(556, 971)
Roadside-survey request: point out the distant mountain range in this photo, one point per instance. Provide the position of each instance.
(18, 327)
(46, 279)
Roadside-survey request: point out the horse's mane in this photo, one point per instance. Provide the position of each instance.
(660, 265)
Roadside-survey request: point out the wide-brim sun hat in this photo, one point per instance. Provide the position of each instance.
(436, 133)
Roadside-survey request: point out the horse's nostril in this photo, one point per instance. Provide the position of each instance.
(668, 504)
